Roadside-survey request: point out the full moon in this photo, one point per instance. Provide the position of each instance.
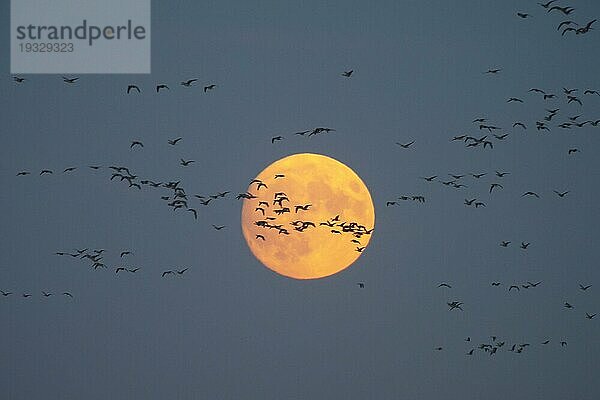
(307, 216)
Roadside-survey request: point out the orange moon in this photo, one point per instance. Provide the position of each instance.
(309, 216)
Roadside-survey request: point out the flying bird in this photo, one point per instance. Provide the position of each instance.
(161, 86)
(136, 143)
(209, 87)
(347, 74)
(530, 194)
(69, 80)
(188, 83)
(561, 194)
(173, 142)
(405, 146)
(133, 87)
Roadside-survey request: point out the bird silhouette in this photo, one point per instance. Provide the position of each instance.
(188, 82)
(161, 86)
(133, 87)
(406, 145)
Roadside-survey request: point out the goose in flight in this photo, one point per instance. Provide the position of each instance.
(133, 87)
(561, 194)
(584, 288)
(5, 294)
(209, 87)
(173, 142)
(69, 80)
(161, 86)
(194, 212)
(136, 143)
(504, 243)
(444, 284)
(547, 5)
(302, 207)
(167, 273)
(495, 185)
(276, 138)
(67, 294)
(525, 245)
(188, 83)
(45, 171)
(406, 145)
(185, 163)
(69, 169)
(218, 227)
(530, 194)
(23, 173)
(361, 285)
(347, 74)
(18, 79)
(589, 316)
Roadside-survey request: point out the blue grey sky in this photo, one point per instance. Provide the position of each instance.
(229, 328)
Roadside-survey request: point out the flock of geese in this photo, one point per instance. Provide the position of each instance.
(276, 206)
(566, 25)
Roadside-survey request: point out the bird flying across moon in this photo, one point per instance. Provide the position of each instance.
(302, 245)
